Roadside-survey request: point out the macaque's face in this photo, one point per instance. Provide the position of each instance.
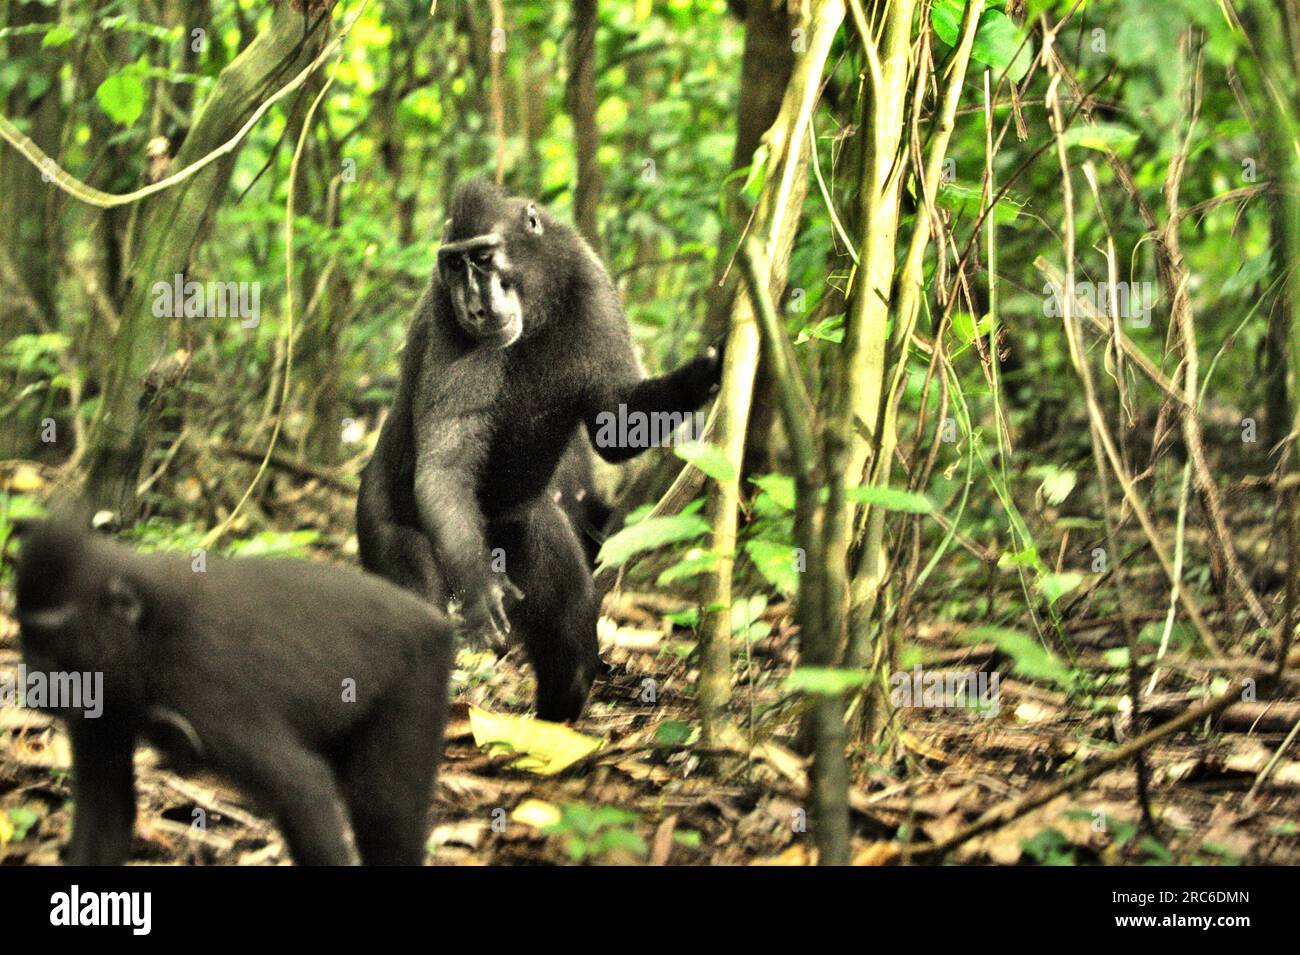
(74, 614)
(489, 261)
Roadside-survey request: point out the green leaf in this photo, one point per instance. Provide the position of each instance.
(779, 487)
(1029, 658)
(709, 458)
(824, 681)
(1053, 586)
(672, 733)
(1251, 271)
(623, 839)
(746, 610)
(999, 43)
(1049, 846)
(826, 330)
(1057, 484)
(757, 174)
(1116, 657)
(1103, 137)
(777, 562)
(697, 562)
(59, 36)
(23, 820)
(684, 618)
(651, 534)
(121, 95)
(890, 499)
(968, 200)
(1028, 557)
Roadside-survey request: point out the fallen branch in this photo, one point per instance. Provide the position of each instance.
(316, 472)
(1011, 810)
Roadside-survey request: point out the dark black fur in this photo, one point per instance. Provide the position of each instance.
(477, 431)
(574, 488)
(240, 668)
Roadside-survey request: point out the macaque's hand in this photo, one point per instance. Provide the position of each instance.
(708, 368)
(484, 622)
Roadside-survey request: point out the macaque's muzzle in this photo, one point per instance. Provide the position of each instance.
(476, 272)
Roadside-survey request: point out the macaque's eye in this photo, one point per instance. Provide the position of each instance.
(455, 263)
(484, 258)
(533, 219)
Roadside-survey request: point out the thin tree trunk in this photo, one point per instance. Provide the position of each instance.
(884, 112)
(581, 101)
(27, 204)
(775, 221)
(175, 223)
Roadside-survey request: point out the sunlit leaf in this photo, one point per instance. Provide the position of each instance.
(1029, 658)
(891, 499)
(824, 681)
(650, 534)
(121, 95)
(546, 748)
(1103, 137)
(999, 43)
(709, 458)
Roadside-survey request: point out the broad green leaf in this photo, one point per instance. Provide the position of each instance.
(59, 36)
(969, 200)
(890, 499)
(1103, 137)
(1029, 658)
(709, 458)
(824, 681)
(546, 748)
(999, 43)
(684, 618)
(746, 610)
(696, 562)
(778, 563)
(673, 733)
(779, 487)
(121, 95)
(757, 174)
(1057, 484)
(827, 330)
(651, 534)
(1251, 271)
(1028, 557)
(1116, 657)
(1053, 586)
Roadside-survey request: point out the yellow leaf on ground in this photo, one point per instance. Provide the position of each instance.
(546, 748)
(797, 854)
(536, 813)
(876, 853)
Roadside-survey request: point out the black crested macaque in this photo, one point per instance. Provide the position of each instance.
(574, 488)
(315, 689)
(519, 340)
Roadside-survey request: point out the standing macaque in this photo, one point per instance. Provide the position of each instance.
(320, 690)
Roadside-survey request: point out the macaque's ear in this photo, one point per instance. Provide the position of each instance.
(122, 601)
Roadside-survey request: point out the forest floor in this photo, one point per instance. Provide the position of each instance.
(649, 793)
(671, 804)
